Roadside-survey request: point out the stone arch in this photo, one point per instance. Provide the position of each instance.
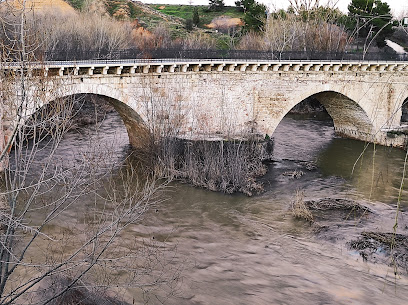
(349, 118)
(347, 114)
(404, 111)
(138, 131)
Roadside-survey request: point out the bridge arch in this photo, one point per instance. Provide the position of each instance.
(134, 121)
(404, 111)
(349, 117)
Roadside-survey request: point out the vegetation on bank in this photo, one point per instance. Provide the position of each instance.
(206, 16)
(300, 27)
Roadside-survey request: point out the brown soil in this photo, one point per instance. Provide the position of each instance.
(43, 5)
(224, 23)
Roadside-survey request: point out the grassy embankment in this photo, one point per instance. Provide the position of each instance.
(185, 12)
(206, 16)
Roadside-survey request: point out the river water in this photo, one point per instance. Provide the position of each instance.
(233, 249)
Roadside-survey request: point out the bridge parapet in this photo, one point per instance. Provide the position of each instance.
(176, 66)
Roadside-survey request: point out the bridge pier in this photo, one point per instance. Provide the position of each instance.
(138, 133)
(393, 138)
(355, 134)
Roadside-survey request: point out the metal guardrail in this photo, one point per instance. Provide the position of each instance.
(182, 55)
(136, 57)
(118, 62)
(171, 61)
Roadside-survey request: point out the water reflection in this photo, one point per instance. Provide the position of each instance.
(350, 163)
(375, 172)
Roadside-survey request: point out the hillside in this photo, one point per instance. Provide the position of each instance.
(149, 10)
(148, 17)
(206, 16)
(41, 5)
(126, 10)
(161, 22)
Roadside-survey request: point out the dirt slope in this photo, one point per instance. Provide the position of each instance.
(41, 5)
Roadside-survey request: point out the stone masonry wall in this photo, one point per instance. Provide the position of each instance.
(210, 101)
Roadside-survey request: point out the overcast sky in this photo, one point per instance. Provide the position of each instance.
(397, 6)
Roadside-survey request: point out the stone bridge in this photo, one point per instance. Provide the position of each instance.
(211, 99)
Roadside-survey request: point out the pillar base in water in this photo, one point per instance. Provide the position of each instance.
(392, 138)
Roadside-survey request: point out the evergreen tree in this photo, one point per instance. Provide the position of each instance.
(216, 5)
(189, 24)
(255, 14)
(371, 18)
(196, 16)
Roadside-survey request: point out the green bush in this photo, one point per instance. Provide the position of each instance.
(77, 4)
(189, 24)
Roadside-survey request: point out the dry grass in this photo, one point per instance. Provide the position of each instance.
(224, 23)
(44, 5)
(299, 208)
(222, 166)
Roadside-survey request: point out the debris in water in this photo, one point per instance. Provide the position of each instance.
(296, 174)
(300, 209)
(379, 247)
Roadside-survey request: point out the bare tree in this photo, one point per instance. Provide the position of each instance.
(281, 33)
(84, 33)
(304, 5)
(302, 30)
(41, 189)
(199, 41)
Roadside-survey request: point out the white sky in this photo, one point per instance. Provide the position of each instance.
(397, 6)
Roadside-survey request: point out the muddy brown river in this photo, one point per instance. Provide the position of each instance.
(233, 249)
